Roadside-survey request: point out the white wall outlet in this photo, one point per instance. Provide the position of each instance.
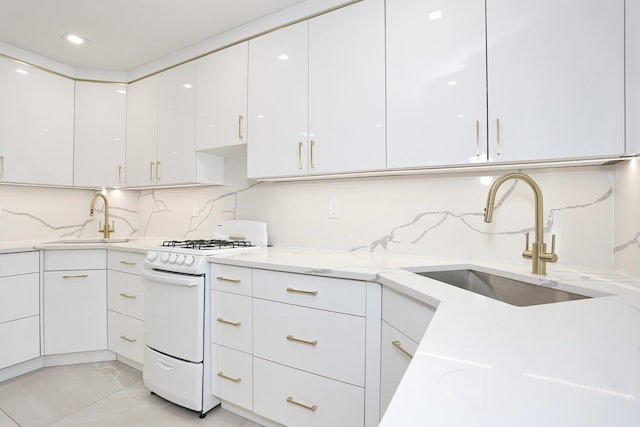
(334, 209)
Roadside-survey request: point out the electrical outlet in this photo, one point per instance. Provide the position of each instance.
(334, 209)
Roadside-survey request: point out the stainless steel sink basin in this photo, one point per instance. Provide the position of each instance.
(500, 288)
(80, 241)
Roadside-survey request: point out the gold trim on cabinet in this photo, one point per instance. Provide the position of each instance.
(292, 338)
(130, 296)
(157, 171)
(151, 171)
(312, 162)
(126, 338)
(120, 174)
(225, 279)
(227, 322)
(498, 147)
(311, 408)
(397, 344)
(300, 291)
(477, 138)
(78, 276)
(222, 375)
(300, 165)
(240, 123)
(127, 263)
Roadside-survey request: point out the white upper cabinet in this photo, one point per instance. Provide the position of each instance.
(555, 78)
(632, 62)
(316, 95)
(99, 140)
(160, 133)
(436, 83)
(221, 98)
(36, 130)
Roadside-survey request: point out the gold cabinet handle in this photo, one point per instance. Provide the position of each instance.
(221, 320)
(240, 122)
(226, 279)
(126, 295)
(79, 276)
(127, 263)
(157, 171)
(1, 166)
(119, 174)
(300, 155)
(302, 405)
(312, 163)
(477, 138)
(292, 338)
(235, 380)
(300, 291)
(498, 149)
(151, 164)
(397, 344)
(126, 338)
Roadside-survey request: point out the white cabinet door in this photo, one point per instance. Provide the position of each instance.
(278, 84)
(221, 98)
(436, 83)
(36, 130)
(99, 141)
(555, 78)
(142, 128)
(632, 63)
(346, 89)
(396, 354)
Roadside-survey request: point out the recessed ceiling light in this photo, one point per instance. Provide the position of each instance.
(75, 39)
(435, 15)
(21, 71)
(283, 57)
(122, 91)
(187, 86)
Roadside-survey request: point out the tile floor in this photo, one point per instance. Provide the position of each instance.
(96, 394)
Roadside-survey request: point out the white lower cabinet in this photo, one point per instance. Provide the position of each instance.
(297, 398)
(20, 340)
(232, 376)
(125, 336)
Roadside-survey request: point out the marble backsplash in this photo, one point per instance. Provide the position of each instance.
(592, 210)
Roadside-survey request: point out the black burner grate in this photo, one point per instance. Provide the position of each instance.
(207, 244)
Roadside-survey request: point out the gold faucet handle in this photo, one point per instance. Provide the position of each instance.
(551, 256)
(527, 253)
(112, 226)
(100, 227)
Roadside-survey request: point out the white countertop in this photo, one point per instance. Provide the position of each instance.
(482, 362)
(133, 245)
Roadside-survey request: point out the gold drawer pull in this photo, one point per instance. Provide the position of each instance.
(126, 295)
(79, 276)
(221, 320)
(302, 405)
(235, 380)
(224, 279)
(127, 263)
(292, 338)
(397, 344)
(240, 120)
(498, 147)
(299, 291)
(126, 338)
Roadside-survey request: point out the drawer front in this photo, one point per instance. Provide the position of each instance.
(82, 259)
(19, 263)
(232, 376)
(127, 262)
(19, 296)
(232, 320)
(229, 278)
(20, 341)
(341, 295)
(126, 294)
(397, 350)
(409, 316)
(126, 336)
(281, 391)
(286, 334)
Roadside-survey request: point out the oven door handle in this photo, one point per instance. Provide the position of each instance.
(171, 278)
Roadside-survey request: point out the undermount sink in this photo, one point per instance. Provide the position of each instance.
(80, 241)
(503, 289)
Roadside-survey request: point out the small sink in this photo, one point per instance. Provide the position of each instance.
(80, 241)
(503, 289)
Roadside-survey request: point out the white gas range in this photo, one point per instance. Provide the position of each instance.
(177, 359)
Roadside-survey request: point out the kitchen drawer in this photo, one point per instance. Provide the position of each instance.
(125, 293)
(327, 402)
(229, 278)
(232, 376)
(339, 349)
(409, 316)
(19, 296)
(19, 263)
(395, 361)
(126, 336)
(81, 259)
(126, 262)
(344, 296)
(232, 320)
(20, 341)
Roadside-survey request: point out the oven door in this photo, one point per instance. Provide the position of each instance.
(174, 314)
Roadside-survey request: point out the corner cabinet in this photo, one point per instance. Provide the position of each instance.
(99, 141)
(312, 108)
(545, 86)
(36, 130)
(160, 146)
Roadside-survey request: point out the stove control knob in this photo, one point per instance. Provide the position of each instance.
(180, 259)
(165, 257)
(152, 255)
(189, 260)
(172, 258)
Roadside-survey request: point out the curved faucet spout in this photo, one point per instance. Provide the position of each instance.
(107, 229)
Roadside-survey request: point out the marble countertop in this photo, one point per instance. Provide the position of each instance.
(483, 362)
(133, 245)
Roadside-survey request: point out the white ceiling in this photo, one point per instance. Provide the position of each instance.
(122, 34)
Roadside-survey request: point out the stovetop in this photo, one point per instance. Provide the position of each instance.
(205, 244)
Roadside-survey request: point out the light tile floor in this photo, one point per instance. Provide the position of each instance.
(96, 394)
